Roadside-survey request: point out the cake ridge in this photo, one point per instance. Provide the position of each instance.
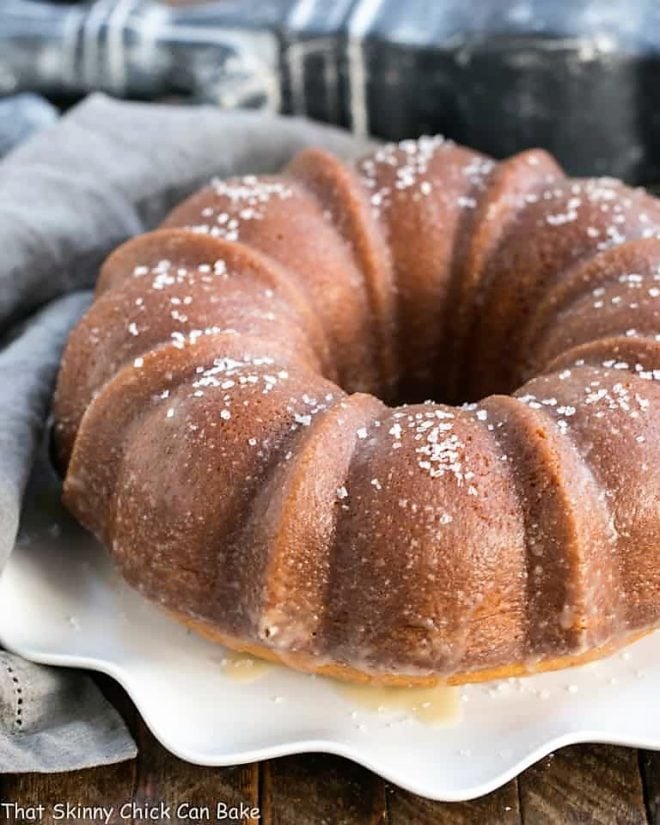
(338, 187)
(597, 214)
(299, 559)
(575, 550)
(320, 260)
(597, 271)
(189, 358)
(505, 194)
(420, 192)
(215, 257)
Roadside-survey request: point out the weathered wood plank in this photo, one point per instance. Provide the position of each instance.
(102, 786)
(316, 789)
(599, 784)
(187, 788)
(94, 787)
(649, 762)
(162, 778)
(497, 808)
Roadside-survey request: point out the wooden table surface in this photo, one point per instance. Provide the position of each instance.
(578, 784)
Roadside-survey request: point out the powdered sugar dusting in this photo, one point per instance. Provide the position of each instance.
(404, 169)
(599, 207)
(243, 200)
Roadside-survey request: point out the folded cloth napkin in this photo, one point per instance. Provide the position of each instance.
(104, 172)
(20, 116)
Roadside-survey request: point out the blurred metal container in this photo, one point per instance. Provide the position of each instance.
(141, 49)
(580, 78)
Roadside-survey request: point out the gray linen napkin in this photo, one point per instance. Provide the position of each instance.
(109, 170)
(20, 116)
(106, 171)
(56, 720)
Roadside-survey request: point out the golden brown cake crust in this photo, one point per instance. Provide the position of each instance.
(345, 673)
(221, 416)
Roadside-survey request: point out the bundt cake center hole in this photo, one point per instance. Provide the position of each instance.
(436, 391)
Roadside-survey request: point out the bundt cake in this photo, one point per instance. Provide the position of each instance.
(222, 414)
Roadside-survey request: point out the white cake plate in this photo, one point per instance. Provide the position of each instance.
(62, 603)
